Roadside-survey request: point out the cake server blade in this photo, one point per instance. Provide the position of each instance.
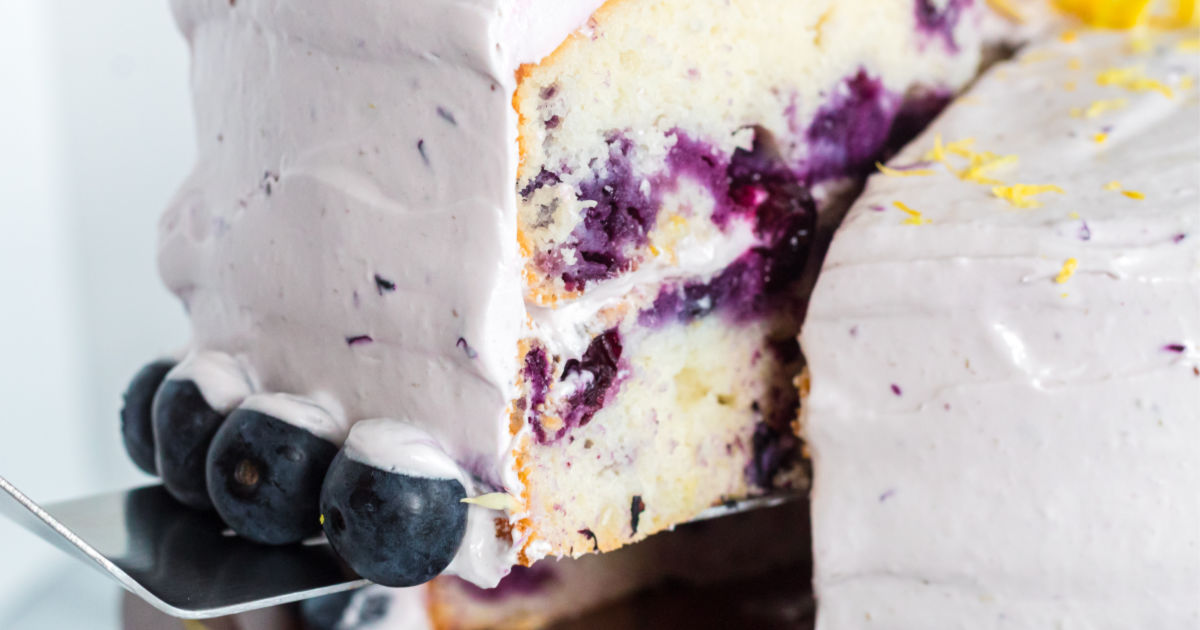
(181, 561)
(187, 564)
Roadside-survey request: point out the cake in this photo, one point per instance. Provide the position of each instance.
(474, 284)
(1003, 392)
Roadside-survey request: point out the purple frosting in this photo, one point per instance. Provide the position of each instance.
(520, 581)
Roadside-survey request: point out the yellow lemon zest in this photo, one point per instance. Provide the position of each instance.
(1020, 195)
(1099, 107)
(915, 172)
(1133, 194)
(1113, 185)
(1099, 137)
(983, 163)
(1134, 80)
(1068, 270)
(914, 217)
(1068, 36)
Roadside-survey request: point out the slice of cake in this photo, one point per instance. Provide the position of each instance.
(1004, 350)
(542, 257)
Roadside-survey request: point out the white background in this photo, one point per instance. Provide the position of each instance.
(95, 134)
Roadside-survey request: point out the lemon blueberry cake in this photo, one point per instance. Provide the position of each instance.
(471, 284)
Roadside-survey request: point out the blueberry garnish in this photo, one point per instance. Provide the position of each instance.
(184, 425)
(264, 477)
(393, 529)
(137, 430)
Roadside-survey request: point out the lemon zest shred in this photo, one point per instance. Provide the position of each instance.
(502, 501)
(1068, 269)
(1099, 137)
(1073, 215)
(916, 172)
(1113, 185)
(938, 152)
(1133, 194)
(961, 147)
(983, 163)
(914, 217)
(1068, 36)
(1099, 107)
(1074, 63)
(1020, 195)
(1133, 80)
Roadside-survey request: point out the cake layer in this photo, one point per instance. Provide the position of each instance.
(1003, 356)
(628, 127)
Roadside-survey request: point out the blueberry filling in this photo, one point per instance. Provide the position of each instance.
(598, 367)
(636, 507)
(594, 375)
(848, 134)
(784, 214)
(537, 377)
(619, 221)
(774, 449)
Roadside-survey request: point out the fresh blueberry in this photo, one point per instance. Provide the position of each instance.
(137, 431)
(264, 477)
(184, 426)
(393, 529)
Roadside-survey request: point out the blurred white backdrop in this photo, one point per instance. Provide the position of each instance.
(95, 134)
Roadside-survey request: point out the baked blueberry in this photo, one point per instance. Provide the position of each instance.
(184, 426)
(391, 528)
(137, 430)
(264, 477)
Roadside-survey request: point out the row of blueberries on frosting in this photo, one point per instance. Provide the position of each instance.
(278, 481)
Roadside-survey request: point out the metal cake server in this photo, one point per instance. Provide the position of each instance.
(187, 564)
